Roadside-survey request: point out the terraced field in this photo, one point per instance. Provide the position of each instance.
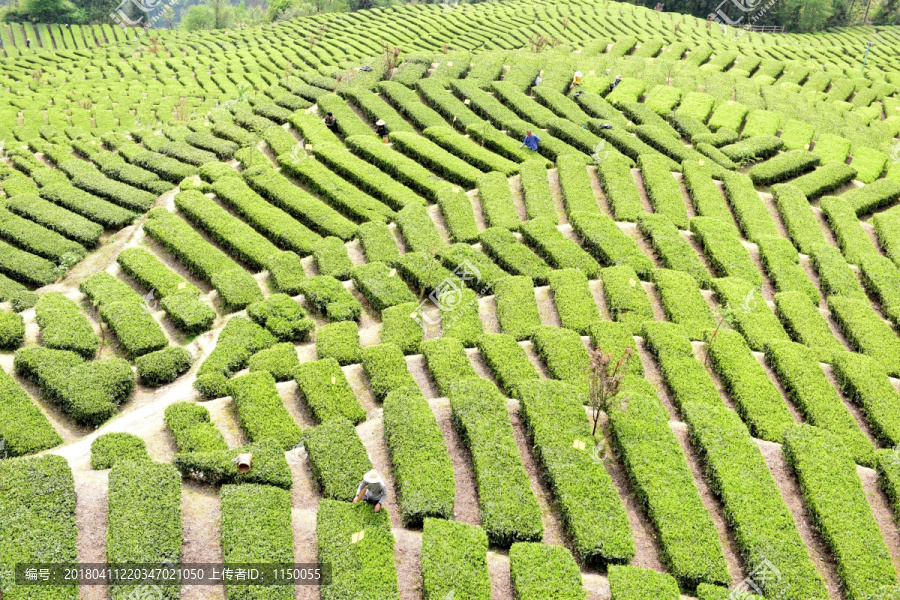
(193, 267)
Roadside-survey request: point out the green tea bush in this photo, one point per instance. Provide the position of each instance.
(574, 300)
(386, 369)
(112, 448)
(663, 190)
(507, 360)
(283, 317)
(420, 462)
(723, 248)
(163, 366)
(756, 398)
(764, 526)
(261, 411)
(558, 250)
(256, 528)
(340, 341)
(672, 249)
(398, 327)
(24, 429)
(825, 179)
(12, 330)
(331, 298)
(378, 242)
(497, 201)
(280, 360)
(867, 332)
(56, 218)
(591, 508)
(564, 354)
(454, 559)
(238, 341)
(37, 516)
(705, 195)
(752, 149)
(517, 311)
(750, 212)
(864, 381)
(470, 151)
(219, 467)
(509, 511)
(809, 389)
(544, 571)
(399, 166)
(419, 231)
(277, 225)
(337, 458)
(38, 240)
(635, 583)
(619, 187)
(608, 244)
(625, 297)
(783, 166)
(192, 428)
(124, 311)
(750, 313)
(236, 287)
(575, 183)
(336, 522)
(838, 506)
(458, 213)
(144, 513)
(781, 263)
(806, 325)
(429, 154)
(536, 190)
(682, 301)
(854, 243)
(512, 256)
(873, 196)
(88, 205)
(798, 217)
(309, 210)
(325, 389)
(89, 392)
(481, 273)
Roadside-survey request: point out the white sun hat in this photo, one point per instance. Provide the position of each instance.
(379, 122)
(577, 73)
(372, 477)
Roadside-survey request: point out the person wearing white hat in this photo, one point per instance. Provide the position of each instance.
(371, 489)
(576, 79)
(380, 128)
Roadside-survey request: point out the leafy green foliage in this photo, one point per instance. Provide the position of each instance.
(261, 411)
(110, 449)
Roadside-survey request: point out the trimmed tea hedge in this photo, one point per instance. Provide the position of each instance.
(192, 428)
(454, 561)
(672, 249)
(603, 239)
(663, 190)
(331, 298)
(87, 205)
(386, 369)
(705, 195)
(635, 583)
(56, 218)
(238, 341)
(256, 528)
(89, 392)
(590, 506)
(419, 231)
(781, 263)
(497, 201)
(542, 571)
(337, 458)
(447, 362)
(723, 248)
(665, 485)
(799, 217)
(783, 166)
(752, 149)
(625, 297)
(564, 354)
(620, 188)
(144, 512)
(558, 250)
(750, 313)
(432, 156)
(809, 389)
(507, 360)
(163, 366)
(867, 332)
(512, 256)
(332, 259)
(261, 411)
(851, 237)
(37, 517)
(378, 242)
(280, 360)
(750, 212)
(219, 467)
(509, 510)
(421, 465)
(684, 304)
(517, 310)
(763, 525)
(536, 189)
(756, 398)
(324, 388)
(838, 506)
(825, 179)
(398, 327)
(460, 317)
(805, 324)
(574, 300)
(110, 449)
(283, 317)
(336, 523)
(575, 183)
(23, 428)
(866, 384)
(481, 273)
(835, 276)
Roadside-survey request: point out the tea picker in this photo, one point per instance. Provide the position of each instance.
(371, 489)
(531, 140)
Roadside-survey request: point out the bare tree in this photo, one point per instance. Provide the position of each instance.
(606, 376)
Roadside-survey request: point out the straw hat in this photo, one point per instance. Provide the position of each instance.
(577, 73)
(379, 122)
(372, 477)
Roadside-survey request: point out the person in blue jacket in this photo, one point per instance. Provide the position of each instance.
(531, 140)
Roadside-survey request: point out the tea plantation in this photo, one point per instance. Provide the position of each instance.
(195, 266)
